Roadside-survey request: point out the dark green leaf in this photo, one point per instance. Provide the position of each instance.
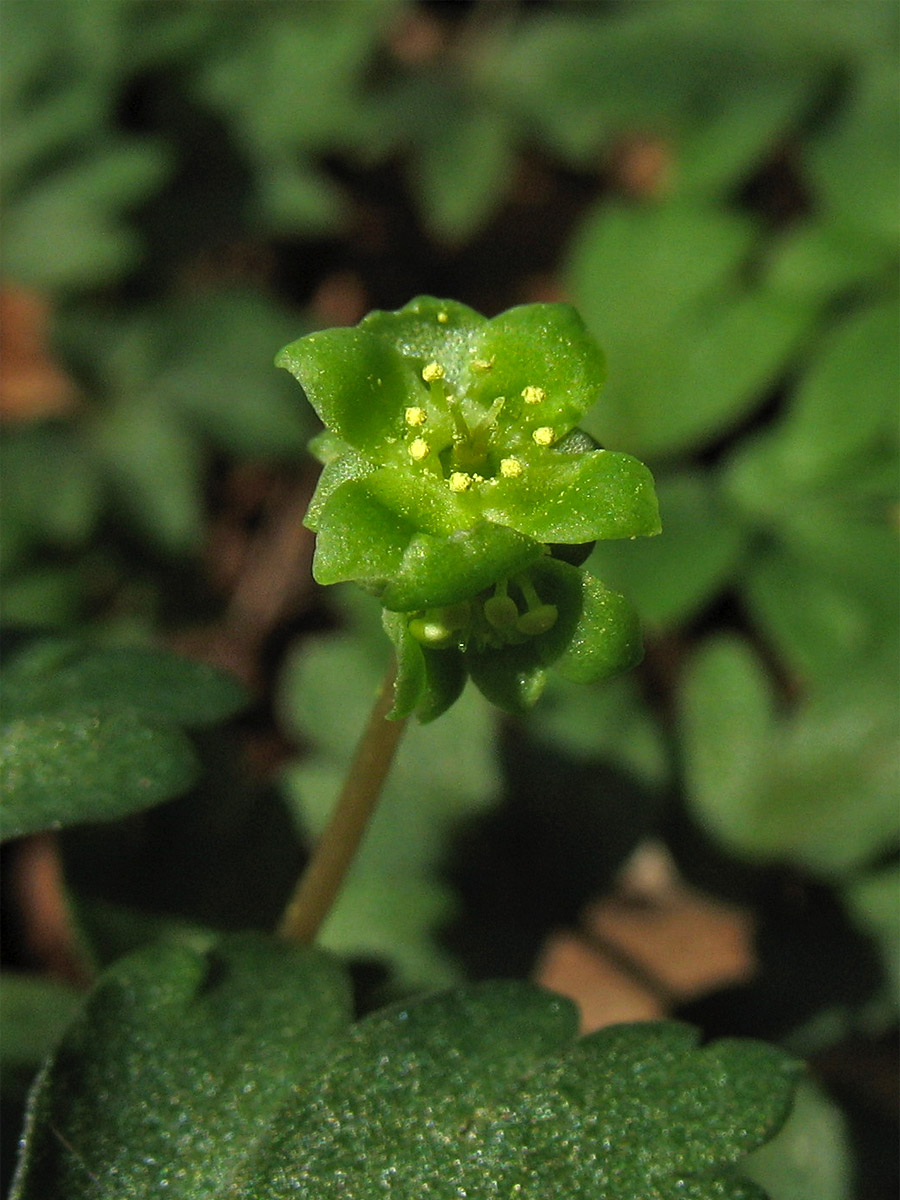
(156, 685)
(92, 736)
(176, 1069)
(82, 765)
(484, 1088)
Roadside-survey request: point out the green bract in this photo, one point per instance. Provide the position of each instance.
(454, 478)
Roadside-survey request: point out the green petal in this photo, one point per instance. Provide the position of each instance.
(359, 538)
(604, 494)
(430, 330)
(349, 465)
(358, 383)
(541, 346)
(443, 570)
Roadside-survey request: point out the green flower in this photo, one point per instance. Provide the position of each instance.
(453, 476)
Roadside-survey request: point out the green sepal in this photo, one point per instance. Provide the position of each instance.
(444, 570)
(578, 498)
(355, 381)
(427, 681)
(359, 538)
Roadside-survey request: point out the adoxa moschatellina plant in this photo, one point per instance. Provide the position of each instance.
(457, 489)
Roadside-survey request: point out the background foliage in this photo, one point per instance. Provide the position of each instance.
(714, 185)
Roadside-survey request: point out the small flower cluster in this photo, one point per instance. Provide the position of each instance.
(458, 489)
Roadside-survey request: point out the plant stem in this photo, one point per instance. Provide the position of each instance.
(336, 849)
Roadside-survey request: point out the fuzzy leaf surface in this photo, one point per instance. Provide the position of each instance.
(90, 736)
(176, 1067)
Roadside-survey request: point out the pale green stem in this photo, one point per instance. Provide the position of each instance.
(336, 849)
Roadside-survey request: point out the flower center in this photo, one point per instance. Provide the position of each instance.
(491, 620)
(445, 439)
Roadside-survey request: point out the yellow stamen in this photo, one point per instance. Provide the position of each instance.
(543, 436)
(415, 416)
(482, 364)
(433, 371)
(459, 481)
(418, 449)
(510, 468)
(533, 395)
(442, 317)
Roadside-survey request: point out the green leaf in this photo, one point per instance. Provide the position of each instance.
(818, 787)
(485, 1088)
(811, 1157)
(242, 1057)
(436, 571)
(874, 900)
(179, 1048)
(76, 765)
(93, 736)
(155, 684)
(155, 467)
(36, 1012)
(715, 347)
(847, 400)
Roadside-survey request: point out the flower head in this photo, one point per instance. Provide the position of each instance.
(451, 464)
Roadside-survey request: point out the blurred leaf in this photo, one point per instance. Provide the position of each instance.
(820, 258)
(66, 231)
(326, 693)
(607, 722)
(51, 489)
(213, 366)
(669, 579)
(585, 78)
(845, 402)
(856, 162)
(155, 467)
(90, 737)
(36, 1012)
(690, 350)
(313, 58)
(180, 1047)
(819, 787)
(811, 1157)
(67, 767)
(238, 1054)
(874, 900)
(819, 486)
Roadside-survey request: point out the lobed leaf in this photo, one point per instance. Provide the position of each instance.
(233, 1073)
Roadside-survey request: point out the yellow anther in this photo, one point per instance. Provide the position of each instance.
(459, 481)
(415, 416)
(482, 364)
(418, 449)
(442, 317)
(433, 371)
(543, 436)
(510, 468)
(533, 395)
